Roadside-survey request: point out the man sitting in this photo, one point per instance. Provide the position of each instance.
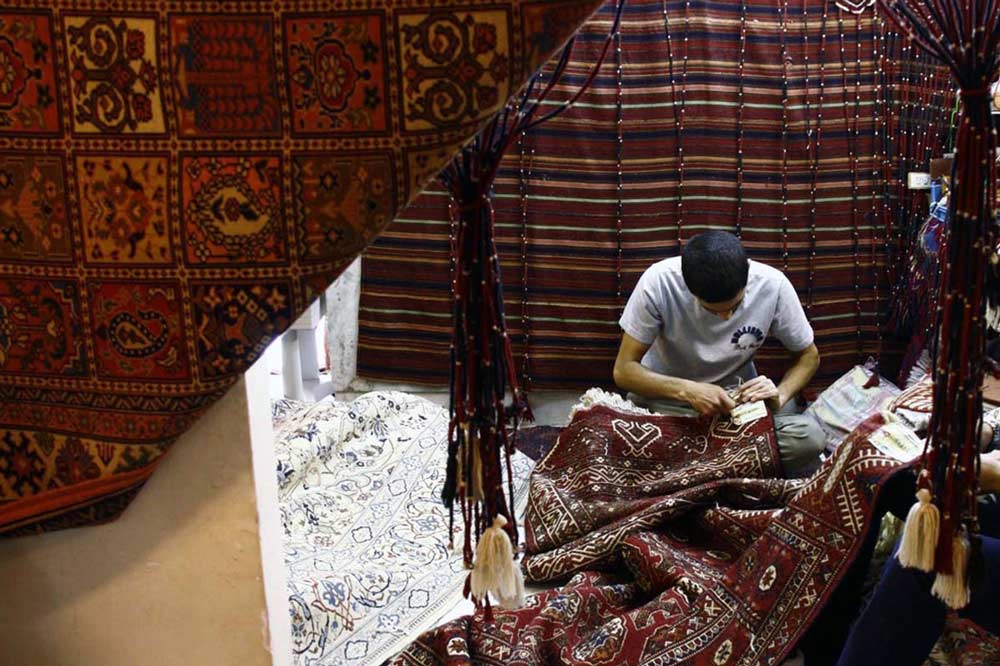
(692, 327)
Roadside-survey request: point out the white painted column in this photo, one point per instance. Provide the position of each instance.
(342, 302)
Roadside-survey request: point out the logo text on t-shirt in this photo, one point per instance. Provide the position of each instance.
(748, 337)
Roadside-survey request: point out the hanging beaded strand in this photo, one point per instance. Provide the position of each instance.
(885, 86)
(678, 112)
(903, 136)
(856, 184)
(817, 148)
(523, 179)
(675, 108)
(740, 106)
(810, 267)
(680, 145)
(877, 214)
(885, 172)
(851, 151)
(784, 136)
(619, 151)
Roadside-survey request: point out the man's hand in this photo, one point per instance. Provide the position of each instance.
(989, 472)
(708, 399)
(760, 388)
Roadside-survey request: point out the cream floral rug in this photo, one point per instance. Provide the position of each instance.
(366, 535)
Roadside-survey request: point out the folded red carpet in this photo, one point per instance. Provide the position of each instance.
(681, 543)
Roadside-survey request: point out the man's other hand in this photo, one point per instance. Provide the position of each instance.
(709, 399)
(989, 472)
(760, 388)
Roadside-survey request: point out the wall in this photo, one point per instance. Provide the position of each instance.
(179, 579)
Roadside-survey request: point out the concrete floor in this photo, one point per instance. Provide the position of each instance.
(549, 407)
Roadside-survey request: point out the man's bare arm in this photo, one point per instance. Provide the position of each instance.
(631, 375)
(804, 365)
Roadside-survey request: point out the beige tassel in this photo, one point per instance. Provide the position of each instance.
(477, 473)
(953, 588)
(495, 569)
(920, 534)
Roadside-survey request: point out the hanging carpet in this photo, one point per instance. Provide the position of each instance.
(680, 546)
(179, 181)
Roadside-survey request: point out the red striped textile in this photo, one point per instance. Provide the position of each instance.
(803, 155)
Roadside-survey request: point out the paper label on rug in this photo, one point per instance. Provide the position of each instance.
(897, 441)
(748, 412)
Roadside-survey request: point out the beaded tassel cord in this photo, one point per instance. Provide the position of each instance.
(965, 35)
(482, 358)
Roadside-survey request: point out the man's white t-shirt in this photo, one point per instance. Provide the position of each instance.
(692, 343)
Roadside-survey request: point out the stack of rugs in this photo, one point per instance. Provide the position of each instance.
(676, 541)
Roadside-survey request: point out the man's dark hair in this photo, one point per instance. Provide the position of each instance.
(715, 266)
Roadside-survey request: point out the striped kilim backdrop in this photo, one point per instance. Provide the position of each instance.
(790, 123)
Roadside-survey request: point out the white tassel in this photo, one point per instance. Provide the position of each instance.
(920, 534)
(495, 569)
(953, 588)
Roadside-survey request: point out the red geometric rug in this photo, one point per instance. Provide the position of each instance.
(681, 545)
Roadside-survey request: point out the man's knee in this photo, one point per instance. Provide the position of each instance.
(814, 438)
(801, 441)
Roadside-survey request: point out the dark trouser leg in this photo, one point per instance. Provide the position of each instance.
(904, 620)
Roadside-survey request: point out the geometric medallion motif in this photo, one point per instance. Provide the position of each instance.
(225, 74)
(22, 464)
(235, 322)
(854, 6)
(40, 328)
(123, 206)
(337, 74)
(114, 75)
(455, 66)
(138, 331)
(27, 74)
(231, 208)
(33, 221)
(338, 200)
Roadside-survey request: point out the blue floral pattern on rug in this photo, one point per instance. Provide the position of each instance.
(366, 535)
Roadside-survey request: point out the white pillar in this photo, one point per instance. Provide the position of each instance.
(291, 366)
(342, 300)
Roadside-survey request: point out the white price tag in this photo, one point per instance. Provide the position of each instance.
(748, 412)
(897, 441)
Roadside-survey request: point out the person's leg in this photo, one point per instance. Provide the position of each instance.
(903, 620)
(800, 441)
(984, 609)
